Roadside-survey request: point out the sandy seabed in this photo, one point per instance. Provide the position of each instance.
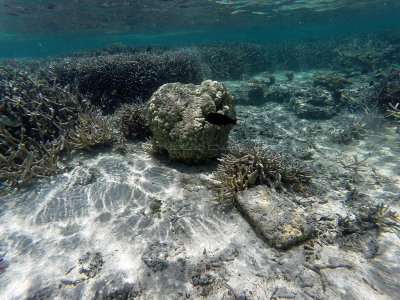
(135, 226)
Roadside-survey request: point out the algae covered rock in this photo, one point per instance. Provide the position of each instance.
(176, 114)
(278, 219)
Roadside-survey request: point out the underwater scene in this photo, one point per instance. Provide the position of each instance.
(199, 149)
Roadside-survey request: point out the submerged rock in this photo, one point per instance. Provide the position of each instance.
(278, 219)
(313, 103)
(177, 118)
(127, 291)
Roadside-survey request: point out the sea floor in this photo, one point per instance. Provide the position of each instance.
(135, 226)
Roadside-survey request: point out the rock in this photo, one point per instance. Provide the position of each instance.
(278, 93)
(91, 264)
(284, 293)
(202, 279)
(82, 176)
(313, 103)
(332, 81)
(156, 257)
(205, 291)
(278, 219)
(204, 282)
(155, 264)
(128, 291)
(176, 113)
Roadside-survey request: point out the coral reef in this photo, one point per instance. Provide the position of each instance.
(111, 80)
(177, 118)
(229, 61)
(253, 164)
(333, 82)
(91, 129)
(151, 147)
(367, 53)
(313, 103)
(33, 117)
(37, 121)
(388, 92)
(133, 120)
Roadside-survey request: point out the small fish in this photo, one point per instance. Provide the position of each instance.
(219, 119)
(10, 122)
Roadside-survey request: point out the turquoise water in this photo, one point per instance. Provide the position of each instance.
(41, 28)
(199, 149)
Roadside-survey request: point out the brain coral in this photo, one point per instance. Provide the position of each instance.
(176, 114)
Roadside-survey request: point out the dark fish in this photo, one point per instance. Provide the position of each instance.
(219, 119)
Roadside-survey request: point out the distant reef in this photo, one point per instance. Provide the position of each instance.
(60, 104)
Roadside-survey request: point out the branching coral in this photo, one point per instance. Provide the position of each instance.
(385, 218)
(133, 120)
(394, 110)
(253, 164)
(111, 80)
(381, 217)
(91, 129)
(33, 115)
(348, 130)
(388, 92)
(234, 60)
(22, 164)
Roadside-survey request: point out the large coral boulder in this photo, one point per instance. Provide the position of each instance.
(176, 114)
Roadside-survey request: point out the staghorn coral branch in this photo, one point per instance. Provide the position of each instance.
(394, 110)
(253, 164)
(92, 129)
(37, 114)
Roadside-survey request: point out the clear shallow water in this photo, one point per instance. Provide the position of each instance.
(110, 224)
(40, 28)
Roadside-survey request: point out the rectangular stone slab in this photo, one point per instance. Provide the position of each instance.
(282, 222)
